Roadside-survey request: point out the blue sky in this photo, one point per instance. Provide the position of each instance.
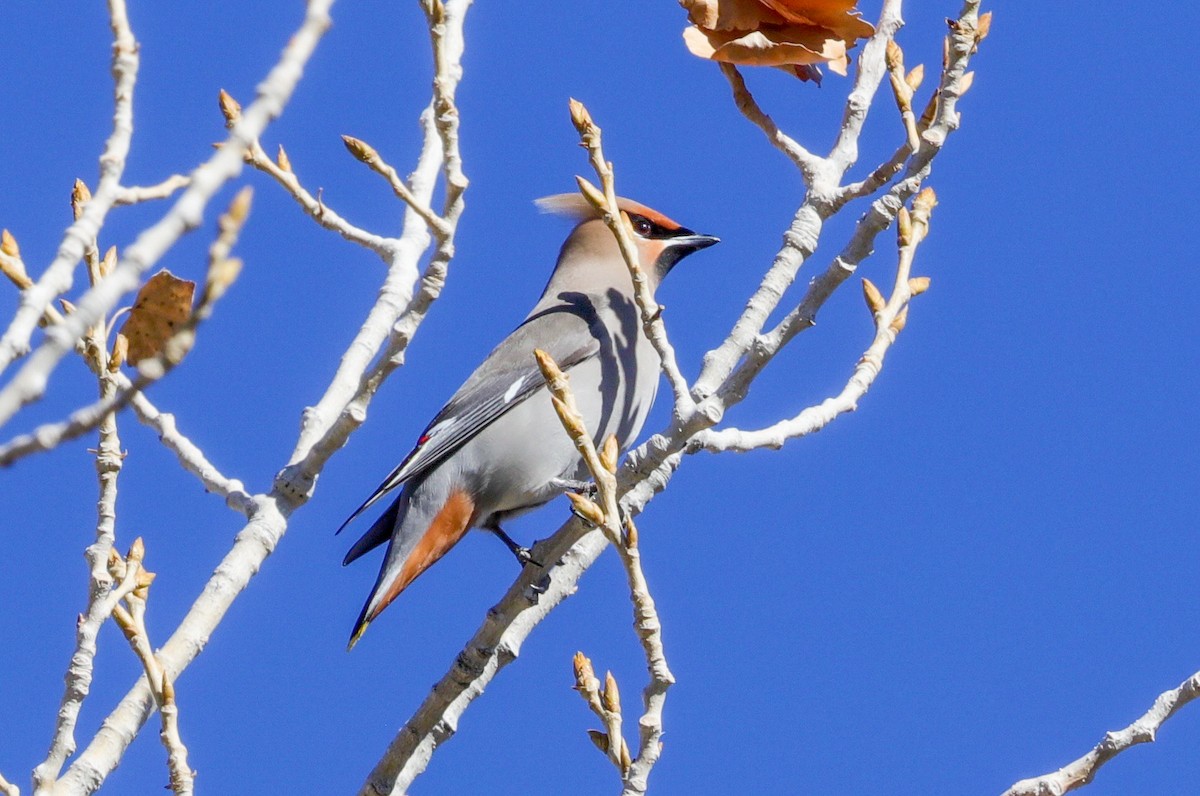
(962, 584)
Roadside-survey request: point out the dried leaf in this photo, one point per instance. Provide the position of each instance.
(776, 46)
(161, 307)
(794, 35)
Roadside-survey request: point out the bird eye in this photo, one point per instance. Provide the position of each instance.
(642, 226)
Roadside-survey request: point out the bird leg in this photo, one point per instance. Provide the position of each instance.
(523, 554)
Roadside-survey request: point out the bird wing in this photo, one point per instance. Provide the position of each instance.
(507, 377)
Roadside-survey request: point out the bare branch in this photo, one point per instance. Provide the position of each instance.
(867, 77)
(324, 430)
(30, 381)
(191, 458)
(59, 276)
(367, 154)
(145, 193)
(132, 621)
(889, 317)
(605, 202)
(1145, 730)
(316, 209)
(222, 271)
(808, 163)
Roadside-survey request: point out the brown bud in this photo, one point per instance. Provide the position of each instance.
(918, 285)
(898, 322)
(239, 208)
(221, 274)
(894, 56)
(983, 27)
(67, 306)
(360, 149)
(116, 564)
(586, 509)
(120, 352)
(913, 79)
(631, 534)
(168, 690)
(923, 205)
(584, 673)
(109, 262)
(580, 116)
(609, 453)
(8, 244)
(600, 739)
(80, 196)
(903, 226)
(282, 160)
(137, 550)
(230, 108)
(874, 299)
(593, 194)
(611, 695)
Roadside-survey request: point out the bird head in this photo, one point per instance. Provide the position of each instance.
(661, 242)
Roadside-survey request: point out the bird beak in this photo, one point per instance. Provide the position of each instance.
(693, 242)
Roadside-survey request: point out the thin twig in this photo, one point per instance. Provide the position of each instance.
(603, 468)
(889, 316)
(605, 202)
(132, 621)
(808, 163)
(59, 276)
(325, 428)
(316, 209)
(221, 273)
(573, 548)
(1145, 730)
(145, 193)
(29, 384)
(109, 461)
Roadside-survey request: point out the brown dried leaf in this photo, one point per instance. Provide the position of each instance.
(777, 46)
(161, 307)
(794, 35)
(839, 16)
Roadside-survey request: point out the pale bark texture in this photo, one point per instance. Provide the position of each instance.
(431, 196)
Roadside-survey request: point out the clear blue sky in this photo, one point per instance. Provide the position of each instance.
(965, 583)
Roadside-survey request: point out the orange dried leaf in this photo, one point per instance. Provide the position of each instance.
(794, 35)
(778, 46)
(161, 307)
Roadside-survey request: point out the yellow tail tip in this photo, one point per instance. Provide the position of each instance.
(358, 631)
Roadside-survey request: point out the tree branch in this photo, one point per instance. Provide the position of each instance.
(325, 428)
(1144, 730)
(59, 276)
(29, 384)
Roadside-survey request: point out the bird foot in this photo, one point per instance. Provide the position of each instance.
(523, 554)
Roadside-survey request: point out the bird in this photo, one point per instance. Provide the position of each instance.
(497, 449)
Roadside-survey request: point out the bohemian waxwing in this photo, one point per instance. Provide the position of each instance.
(497, 448)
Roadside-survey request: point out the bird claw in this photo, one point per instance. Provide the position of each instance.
(525, 556)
